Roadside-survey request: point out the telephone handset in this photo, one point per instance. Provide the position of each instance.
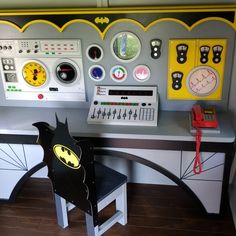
(204, 118)
(201, 118)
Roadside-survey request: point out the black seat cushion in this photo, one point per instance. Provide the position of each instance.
(107, 180)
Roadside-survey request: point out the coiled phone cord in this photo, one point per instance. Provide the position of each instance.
(197, 168)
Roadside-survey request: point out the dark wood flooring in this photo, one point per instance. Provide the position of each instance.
(152, 210)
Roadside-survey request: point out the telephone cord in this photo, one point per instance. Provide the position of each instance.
(197, 168)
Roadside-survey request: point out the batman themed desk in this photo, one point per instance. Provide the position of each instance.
(168, 148)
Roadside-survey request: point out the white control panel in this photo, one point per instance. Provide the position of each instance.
(34, 47)
(124, 105)
(42, 70)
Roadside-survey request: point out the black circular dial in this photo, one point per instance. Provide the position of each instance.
(66, 72)
(95, 53)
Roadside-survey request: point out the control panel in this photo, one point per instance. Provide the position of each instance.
(123, 105)
(32, 47)
(42, 70)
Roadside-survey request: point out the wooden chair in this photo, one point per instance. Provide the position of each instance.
(80, 181)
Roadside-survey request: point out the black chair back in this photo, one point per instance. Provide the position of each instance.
(70, 166)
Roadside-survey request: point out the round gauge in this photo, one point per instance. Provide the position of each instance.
(202, 81)
(118, 73)
(96, 73)
(66, 72)
(34, 73)
(94, 53)
(125, 46)
(141, 73)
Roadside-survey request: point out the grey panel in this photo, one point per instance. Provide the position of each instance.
(159, 67)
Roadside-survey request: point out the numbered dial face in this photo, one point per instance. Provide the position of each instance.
(34, 74)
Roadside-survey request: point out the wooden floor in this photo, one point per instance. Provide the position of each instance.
(152, 210)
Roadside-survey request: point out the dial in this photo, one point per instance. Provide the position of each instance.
(34, 74)
(66, 72)
(118, 73)
(203, 81)
(94, 52)
(96, 73)
(141, 73)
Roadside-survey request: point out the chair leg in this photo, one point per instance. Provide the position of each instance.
(91, 230)
(121, 204)
(61, 209)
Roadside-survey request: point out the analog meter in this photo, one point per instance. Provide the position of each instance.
(34, 73)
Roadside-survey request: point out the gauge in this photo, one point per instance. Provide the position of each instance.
(66, 72)
(94, 53)
(118, 73)
(96, 73)
(202, 81)
(34, 73)
(141, 73)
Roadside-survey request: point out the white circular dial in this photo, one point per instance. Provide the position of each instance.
(202, 81)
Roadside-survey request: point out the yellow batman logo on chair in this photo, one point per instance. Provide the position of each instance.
(66, 156)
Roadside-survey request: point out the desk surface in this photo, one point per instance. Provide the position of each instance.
(171, 125)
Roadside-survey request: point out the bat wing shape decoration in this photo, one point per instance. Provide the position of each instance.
(66, 170)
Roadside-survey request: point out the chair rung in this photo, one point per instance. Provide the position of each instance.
(110, 198)
(110, 222)
(70, 206)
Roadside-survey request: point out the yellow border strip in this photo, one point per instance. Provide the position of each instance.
(118, 10)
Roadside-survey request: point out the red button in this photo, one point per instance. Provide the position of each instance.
(40, 96)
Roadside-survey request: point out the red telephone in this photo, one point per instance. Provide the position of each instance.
(201, 118)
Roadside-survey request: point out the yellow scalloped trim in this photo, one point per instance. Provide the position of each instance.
(102, 34)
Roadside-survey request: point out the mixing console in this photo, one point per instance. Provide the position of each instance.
(118, 105)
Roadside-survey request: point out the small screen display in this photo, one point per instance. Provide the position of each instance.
(131, 92)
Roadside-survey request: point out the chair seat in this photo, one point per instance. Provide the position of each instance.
(107, 180)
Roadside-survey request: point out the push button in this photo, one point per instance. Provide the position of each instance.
(40, 96)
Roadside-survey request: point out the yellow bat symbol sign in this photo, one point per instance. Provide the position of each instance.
(66, 156)
(101, 20)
